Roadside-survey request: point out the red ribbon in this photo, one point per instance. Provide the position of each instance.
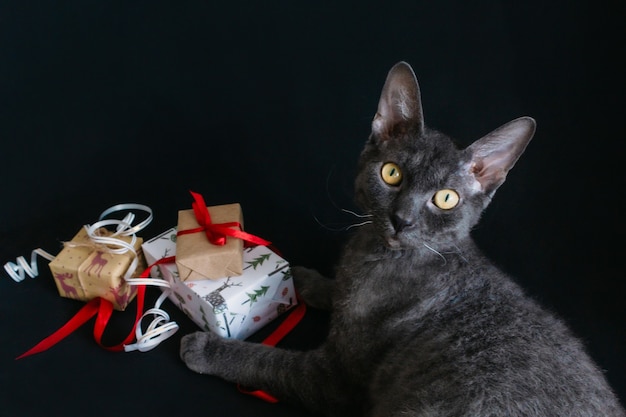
(217, 233)
(102, 309)
(276, 336)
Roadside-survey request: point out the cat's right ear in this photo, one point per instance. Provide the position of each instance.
(400, 106)
(493, 155)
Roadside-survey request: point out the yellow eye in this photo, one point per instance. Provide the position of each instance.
(446, 199)
(391, 173)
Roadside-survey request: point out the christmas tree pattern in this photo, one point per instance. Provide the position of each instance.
(287, 274)
(258, 261)
(254, 297)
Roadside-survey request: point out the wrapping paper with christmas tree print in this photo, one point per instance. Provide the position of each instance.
(235, 306)
(83, 271)
(198, 258)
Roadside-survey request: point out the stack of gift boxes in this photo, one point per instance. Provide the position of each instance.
(225, 288)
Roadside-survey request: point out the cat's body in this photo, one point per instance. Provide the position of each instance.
(422, 323)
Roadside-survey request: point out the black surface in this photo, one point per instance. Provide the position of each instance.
(268, 104)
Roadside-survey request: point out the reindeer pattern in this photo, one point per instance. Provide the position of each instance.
(98, 262)
(122, 294)
(68, 290)
(215, 298)
(83, 272)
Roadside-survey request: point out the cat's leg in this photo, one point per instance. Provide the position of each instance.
(299, 377)
(315, 289)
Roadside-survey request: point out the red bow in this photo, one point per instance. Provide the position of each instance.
(217, 233)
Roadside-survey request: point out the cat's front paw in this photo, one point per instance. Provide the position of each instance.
(195, 351)
(314, 288)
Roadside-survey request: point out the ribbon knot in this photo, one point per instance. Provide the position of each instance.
(217, 233)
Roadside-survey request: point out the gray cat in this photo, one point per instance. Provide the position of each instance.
(422, 323)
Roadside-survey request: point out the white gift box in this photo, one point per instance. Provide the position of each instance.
(233, 307)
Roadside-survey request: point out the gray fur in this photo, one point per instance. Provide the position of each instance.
(422, 323)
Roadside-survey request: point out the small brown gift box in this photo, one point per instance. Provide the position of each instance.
(84, 271)
(197, 258)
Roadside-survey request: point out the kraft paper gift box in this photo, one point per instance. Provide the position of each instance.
(83, 271)
(197, 257)
(233, 306)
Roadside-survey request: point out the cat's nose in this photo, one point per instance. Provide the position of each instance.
(402, 222)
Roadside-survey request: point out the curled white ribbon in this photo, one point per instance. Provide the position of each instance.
(124, 228)
(161, 327)
(21, 268)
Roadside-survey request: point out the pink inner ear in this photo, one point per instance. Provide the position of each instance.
(379, 127)
(495, 154)
(399, 106)
(476, 168)
(490, 175)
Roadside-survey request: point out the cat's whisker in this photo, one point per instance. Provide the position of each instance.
(341, 229)
(325, 226)
(332, 201)
(460, 253)
(359, 224)
(457, 252)
(445, 261)
(356, 214)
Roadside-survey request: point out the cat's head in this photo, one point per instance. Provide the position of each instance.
(419, 187)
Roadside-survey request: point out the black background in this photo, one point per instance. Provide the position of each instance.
(268, 104)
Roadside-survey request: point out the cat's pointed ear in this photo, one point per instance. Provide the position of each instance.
(493, 155)
(399, 107)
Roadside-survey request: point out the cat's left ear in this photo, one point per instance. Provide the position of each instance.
(493, 155)
(400, 107)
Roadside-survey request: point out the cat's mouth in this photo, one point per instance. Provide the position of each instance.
(395, 237)
(393, 244)
(394, 241)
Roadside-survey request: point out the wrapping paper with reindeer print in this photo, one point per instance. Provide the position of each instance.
(83, 271)
(233, 307)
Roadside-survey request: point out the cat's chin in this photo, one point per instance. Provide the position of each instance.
(399, 242)
(393, 243)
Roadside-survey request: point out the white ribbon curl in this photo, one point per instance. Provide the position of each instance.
(161, 327)
(158, 330)
(21, 268)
